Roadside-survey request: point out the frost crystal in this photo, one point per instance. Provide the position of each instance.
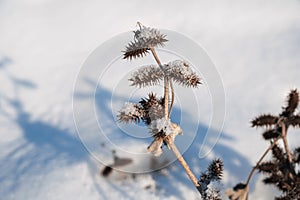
(161, 125)
(130, 108)
(130, 112)
(146, 76)
(149, 37)
(161, 128)
(144, 39)
(181, 72)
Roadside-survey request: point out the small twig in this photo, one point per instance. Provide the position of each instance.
(181, 160)
(259, 161)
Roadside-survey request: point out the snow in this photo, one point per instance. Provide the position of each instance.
(253, 44)
(161, 124)
(130, 109)
(147, 36)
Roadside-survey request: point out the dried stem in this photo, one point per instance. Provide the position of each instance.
(156, 57)
(260, 160)
(166, 85)
(181, 160)
(172, 98)
(285, 143)
(168, 139)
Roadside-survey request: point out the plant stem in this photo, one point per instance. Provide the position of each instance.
(285, 143)
(166, 85)
(172, 98)
(166, 96)
(168, 139)
(172, 146)
(156, 57)
(259, 161)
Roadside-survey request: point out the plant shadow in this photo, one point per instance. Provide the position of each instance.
(40, 150)
(236, 165)
(44, 147)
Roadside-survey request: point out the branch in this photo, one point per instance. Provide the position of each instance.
(172, 98)
(170, 142)
(166, 85)
(259, 161)
(285, 143)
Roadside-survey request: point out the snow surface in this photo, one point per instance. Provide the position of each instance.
(254, 44)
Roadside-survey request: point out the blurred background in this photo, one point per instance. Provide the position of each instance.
(254, 45)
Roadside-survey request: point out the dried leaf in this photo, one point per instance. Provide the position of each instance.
(268, 167)
(214, 173)
(264, 120)
(273, 179)
(153, 108)
(292, 103)
(271, 134)
(294, 121)
(181, 72)
(144, 39)
(149, 37)
(278, 153)
(296, 156)
(135, 50)
(131, 112)
(147, 76)
(215, 169)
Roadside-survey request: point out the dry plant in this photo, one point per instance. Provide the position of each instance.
(281, 170)
(155, 111)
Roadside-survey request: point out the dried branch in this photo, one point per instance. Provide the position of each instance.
(260, 160)
(166, 84)
(156, 112)
(285, 142)
(170, 141)
(281, 169)
(156, 146)
(172, 98)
